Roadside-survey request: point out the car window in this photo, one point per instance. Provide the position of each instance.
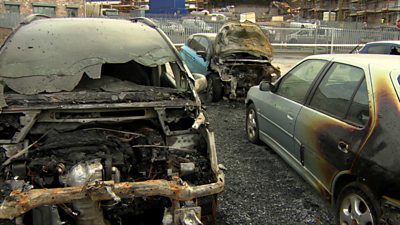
(303, 32)
(204, 43)
(376, 49)
(359, 110)
(296, 83)
(195, 44)
(336, 89)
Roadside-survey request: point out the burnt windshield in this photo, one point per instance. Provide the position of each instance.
(53, 55)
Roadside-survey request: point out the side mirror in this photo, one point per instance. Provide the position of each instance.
(203, 54)
(265, 86)
(200, 82)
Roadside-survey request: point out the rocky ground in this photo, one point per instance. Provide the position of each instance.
(260, 187)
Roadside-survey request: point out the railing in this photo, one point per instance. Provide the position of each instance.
(307, 40)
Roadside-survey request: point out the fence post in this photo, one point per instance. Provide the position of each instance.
(315, 40)
(332, 39)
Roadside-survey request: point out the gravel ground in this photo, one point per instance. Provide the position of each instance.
(260, 187)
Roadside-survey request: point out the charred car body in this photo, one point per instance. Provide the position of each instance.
(235, 59)
(101, 124)
(334, 120)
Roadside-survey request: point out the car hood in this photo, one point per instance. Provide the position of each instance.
(242, 37)
(53, 54)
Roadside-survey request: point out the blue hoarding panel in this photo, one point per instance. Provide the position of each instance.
(167, 7)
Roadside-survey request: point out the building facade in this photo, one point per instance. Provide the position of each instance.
(59, 8)
(384, 12)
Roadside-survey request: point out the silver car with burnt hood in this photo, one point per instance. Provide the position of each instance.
(101, 124)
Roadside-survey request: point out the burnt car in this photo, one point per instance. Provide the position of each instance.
(101, 124)
(237, 57)
(334, 119)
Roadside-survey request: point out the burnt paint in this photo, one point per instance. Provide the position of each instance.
(320, 135)
(379, 162)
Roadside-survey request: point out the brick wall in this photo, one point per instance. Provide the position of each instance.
(4, 32)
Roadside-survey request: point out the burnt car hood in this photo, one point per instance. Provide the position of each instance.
(84, 46)
(242, 38)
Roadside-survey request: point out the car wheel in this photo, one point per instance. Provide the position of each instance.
(214, 88)
(356, 205)
(252, 124)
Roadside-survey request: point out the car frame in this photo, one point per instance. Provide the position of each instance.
(346, 149)
(234, 59)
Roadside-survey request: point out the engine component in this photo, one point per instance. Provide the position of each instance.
(81, 175)
(187, 168)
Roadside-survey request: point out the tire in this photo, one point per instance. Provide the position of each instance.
(214, 88)
(356, 204)
(252, 130)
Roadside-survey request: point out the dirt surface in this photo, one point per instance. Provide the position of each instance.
(260, 187)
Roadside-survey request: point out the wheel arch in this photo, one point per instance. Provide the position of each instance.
(340, 181)
(249, 102)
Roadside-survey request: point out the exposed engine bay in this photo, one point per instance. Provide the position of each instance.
(128, 152)
(243, 56)
(105, 130)
(112, 151)
(239, 72)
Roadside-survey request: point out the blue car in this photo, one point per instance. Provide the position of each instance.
(197, 52)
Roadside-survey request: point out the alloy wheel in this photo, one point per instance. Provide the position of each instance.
(355, 211)
(251, 123)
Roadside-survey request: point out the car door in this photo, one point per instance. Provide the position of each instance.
(278, 110)
(331, 127)
(189, 54)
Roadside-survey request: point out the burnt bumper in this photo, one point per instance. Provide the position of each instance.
(18, 202)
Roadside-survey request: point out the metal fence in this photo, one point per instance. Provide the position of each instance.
(325, 40)
(304, 40)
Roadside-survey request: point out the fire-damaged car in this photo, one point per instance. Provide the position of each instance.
(237, 57)
(101, 124)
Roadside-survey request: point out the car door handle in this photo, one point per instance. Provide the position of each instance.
(343, 146)
(289, 116)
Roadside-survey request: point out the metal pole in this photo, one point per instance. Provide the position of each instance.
(84, 6)
(332, 39)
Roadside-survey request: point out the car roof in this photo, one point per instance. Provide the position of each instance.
(208, 35)
(397, 42)
(389, 62)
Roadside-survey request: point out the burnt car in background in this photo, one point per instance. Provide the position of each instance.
(335, 120)
(237, 57)
(101, 124)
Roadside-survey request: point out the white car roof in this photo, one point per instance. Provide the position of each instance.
(397, 42)
(389, 62)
